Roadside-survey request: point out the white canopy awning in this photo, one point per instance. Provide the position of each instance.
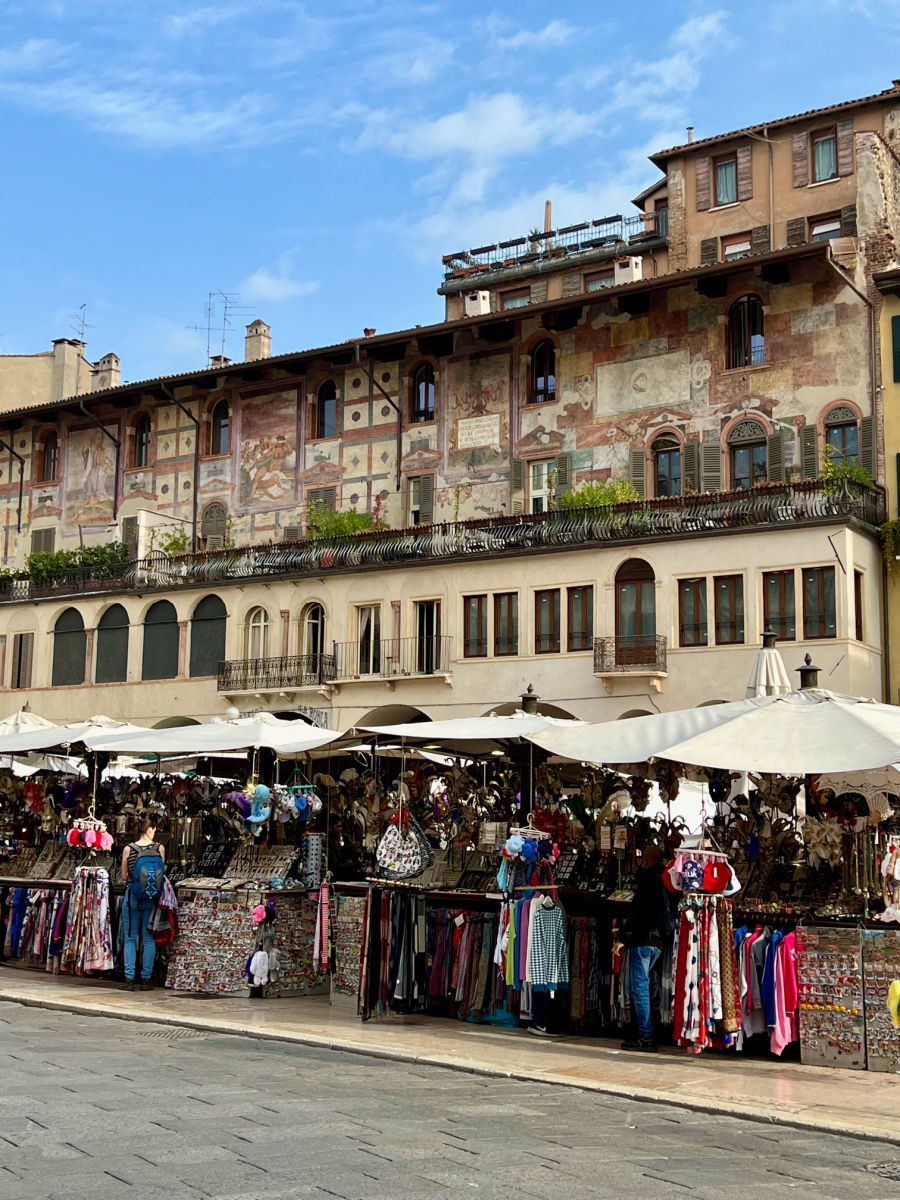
(263, 731)
(24, 731)
(473, 735)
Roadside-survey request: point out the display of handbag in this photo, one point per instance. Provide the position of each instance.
(403, 851)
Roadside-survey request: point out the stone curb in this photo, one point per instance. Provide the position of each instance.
(639, 1094)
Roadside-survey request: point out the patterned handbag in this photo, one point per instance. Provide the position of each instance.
(403, 851)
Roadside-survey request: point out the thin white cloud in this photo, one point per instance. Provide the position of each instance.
(554, 33)
(33, 56)
(275, 286)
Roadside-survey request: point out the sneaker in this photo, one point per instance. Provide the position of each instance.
(146, 985)
(541, 1031)
(645, 1044)
(129, 986)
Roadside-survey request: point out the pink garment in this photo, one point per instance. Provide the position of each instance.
(787, 1026)
(522, 940)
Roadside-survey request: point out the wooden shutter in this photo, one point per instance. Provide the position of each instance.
(796, 231)
(692, 466)
(215, 520)
(800, 150)
(845, 147)
(563, 469)
(130, 535)
(517, 486)
(291, 533)
(895, 346)
(43, 541)
(709, 251)
(326, 497)
(711, 467)
(867, 444)
(426, 499)
(775, 456)
(848, 220)
(22, 658)
(215, 541)
(637, 469)
(702, 173)
(745, 173)
(760, 239)
(809, 452)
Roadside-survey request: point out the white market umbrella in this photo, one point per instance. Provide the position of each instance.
(473, 734)
(98, 728)
(807, 732)
(769, 676)
(24, 731)
(867, 783)
(635, 740)
(243, 733)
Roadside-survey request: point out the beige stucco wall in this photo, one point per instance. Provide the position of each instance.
(474, 686)
(29, 380)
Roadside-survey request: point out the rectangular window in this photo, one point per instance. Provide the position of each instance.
(823, 229)
(824, 155)
(22, 659)
(729, 592)
(540, 485)
(725, 169)
(516, 299)
(692, 612)
(475, 630)
(779, 613)
(819, 618)
(506, 623)
(735, 246)
(858, 604)
(368, 618)
(662, 220)
(546, 621)
(428, 637)
(415, 500)
(43, 541)
(580, 618)
(596, 281)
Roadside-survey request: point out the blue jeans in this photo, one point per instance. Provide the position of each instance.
(641, 961)
(136, 916)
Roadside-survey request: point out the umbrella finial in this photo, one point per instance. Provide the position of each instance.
(809, 675)
(529, 700)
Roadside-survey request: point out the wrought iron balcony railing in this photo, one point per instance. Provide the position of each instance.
(393, 658)
(770, 506)
(634, 653)
(273, 674)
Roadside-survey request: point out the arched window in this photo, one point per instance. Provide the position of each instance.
(111, 665)
(257, 634)
(140, 455)
(543, 373)
(635, 613)
(312, 631)
(48, 459)
(666, 452)
(842, 434)
(746, 333)
(220, 424)
(214, 525)
(161, 642)
(69, 649)
(207, 637)
(423, 394)
(747, 445)
(326, 410)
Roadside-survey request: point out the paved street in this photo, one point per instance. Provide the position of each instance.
(94, 1107)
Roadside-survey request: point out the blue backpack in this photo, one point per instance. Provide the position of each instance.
(147, 876)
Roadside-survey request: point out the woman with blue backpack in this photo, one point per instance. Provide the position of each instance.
(143, 871)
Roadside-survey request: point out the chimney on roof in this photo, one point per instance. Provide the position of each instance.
(219, 360)
(369, 332)
(548, 215)
(257, 341)
(107, 373)
(690, 134)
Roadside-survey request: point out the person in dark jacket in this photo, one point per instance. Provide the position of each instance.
(647, 929)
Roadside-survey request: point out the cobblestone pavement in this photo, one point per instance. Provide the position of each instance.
(97, 1108)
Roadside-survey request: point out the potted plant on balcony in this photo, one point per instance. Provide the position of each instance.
(843, 479)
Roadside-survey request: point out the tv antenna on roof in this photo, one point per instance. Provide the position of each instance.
(220, 308)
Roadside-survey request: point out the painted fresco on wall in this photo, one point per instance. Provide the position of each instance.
(268, 451)
(479, 402)
(90, 478)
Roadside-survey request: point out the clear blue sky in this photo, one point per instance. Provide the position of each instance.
(319, 159)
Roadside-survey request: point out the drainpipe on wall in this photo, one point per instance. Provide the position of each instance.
(118, 445)
(391, 402)
(170, 395)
